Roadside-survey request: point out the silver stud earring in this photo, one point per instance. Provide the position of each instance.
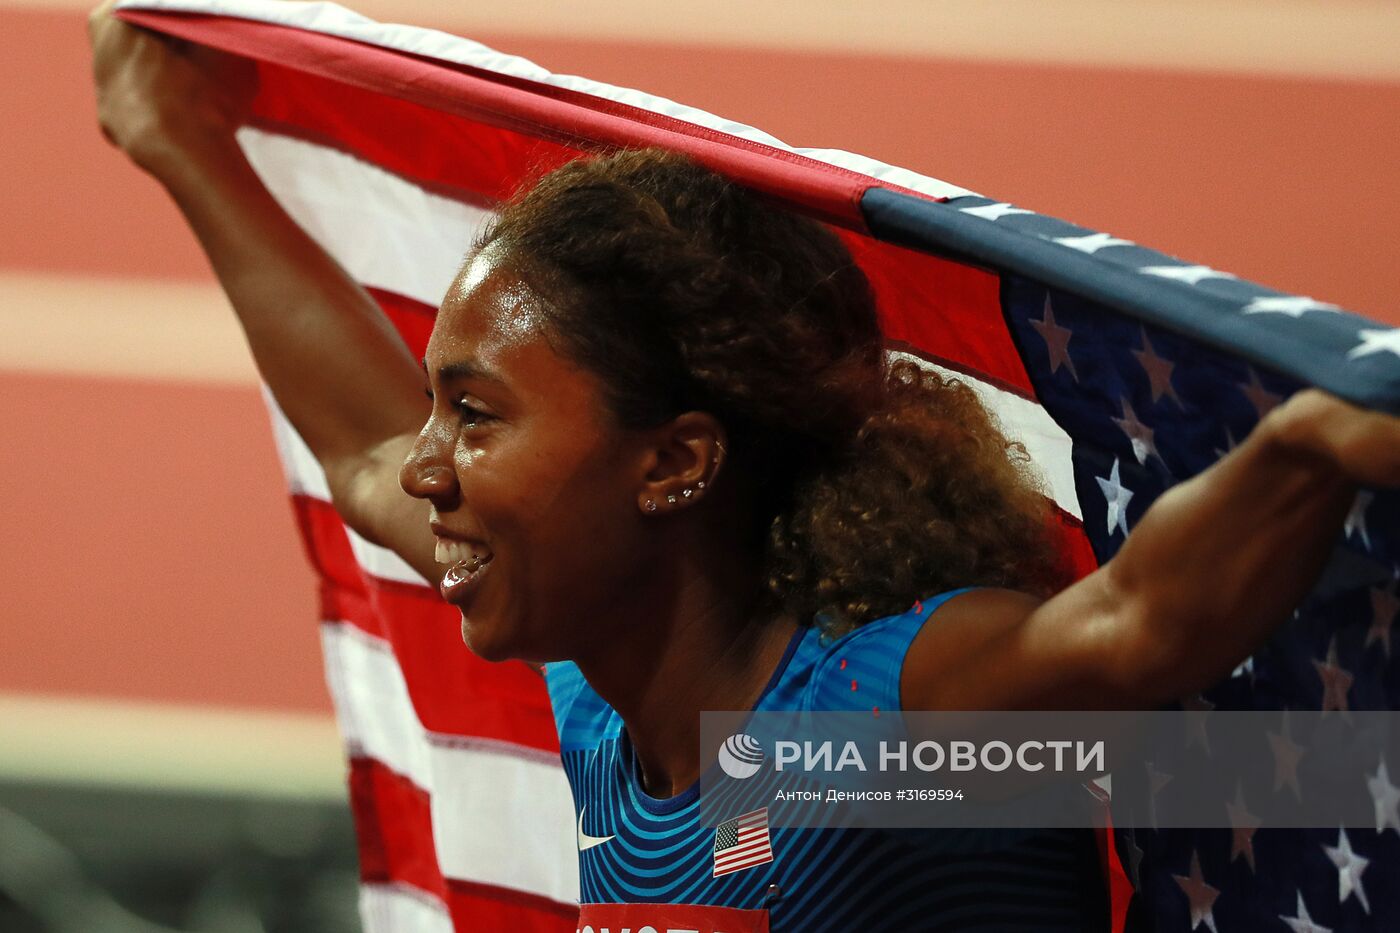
(670, 500)
(700, 485)
(651, 505)
(687, 493)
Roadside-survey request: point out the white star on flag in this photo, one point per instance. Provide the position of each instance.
(1117, 496)
(1336, 682)
(1230, 444)
(1384, 605)
(1301, 922)
(1386, 797)
(1261, 398)
(1350, 868)
(1191, 275)
(1356, 517)
(1242, 827)
(994, 211)
(1159, 371)
(1092, 243)
(1287, 754)
(1291, 305)
(1376, 341)
(1056, 339)
(1156, 781)
(1245, 669)
(1139, 435)
(1200, 895)
(1197, 709)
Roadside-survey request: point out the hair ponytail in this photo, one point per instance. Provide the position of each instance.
(929, 496)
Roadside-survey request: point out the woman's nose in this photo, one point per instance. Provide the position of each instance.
(426, 473)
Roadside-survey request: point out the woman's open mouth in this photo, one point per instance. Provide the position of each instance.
(467, 563)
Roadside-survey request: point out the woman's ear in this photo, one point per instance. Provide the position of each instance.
(687, 454)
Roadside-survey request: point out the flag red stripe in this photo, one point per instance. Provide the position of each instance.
(747, 854)
(741, 852)
(394, 826)
(724, 867)
(539, 110)
(959, 306)
(446, 153)
(749, 837)
(453, 691)
(486, 907)
(412, 319)
(959, 310)
(393, 823)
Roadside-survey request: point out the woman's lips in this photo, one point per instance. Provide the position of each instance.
(463, 576)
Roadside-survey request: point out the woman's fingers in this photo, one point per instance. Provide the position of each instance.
(1369, 449)
(158, 98)
(1364, 445)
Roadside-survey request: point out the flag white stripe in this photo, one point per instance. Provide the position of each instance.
(502, 814)
(305, 477)
(299, 465)
(723, 867)
(382, 562)
(387, 232)
(372, 702)
(314, 175)
(397, 908)
(743, 858)
(335, 20)
(1024, 420)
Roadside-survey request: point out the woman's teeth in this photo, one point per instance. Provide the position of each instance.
(456, 552)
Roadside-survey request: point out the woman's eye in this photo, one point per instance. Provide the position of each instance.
(471, 417)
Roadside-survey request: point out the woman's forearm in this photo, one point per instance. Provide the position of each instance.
(1220, 561)
(337, 368)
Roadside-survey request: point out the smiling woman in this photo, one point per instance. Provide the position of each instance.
(666, 455)
(642, 356)
(523, 467)
(661, 404)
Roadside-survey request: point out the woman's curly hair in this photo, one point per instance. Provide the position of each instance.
(873, 482)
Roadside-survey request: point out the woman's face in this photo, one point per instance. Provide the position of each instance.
(533, 486)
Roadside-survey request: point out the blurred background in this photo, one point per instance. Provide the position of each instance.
(167, 756)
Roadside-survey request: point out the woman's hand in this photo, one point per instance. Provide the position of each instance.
(331, 358)
(161, 100)
(1362, 445)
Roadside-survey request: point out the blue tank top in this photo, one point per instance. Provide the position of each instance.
(636, 849)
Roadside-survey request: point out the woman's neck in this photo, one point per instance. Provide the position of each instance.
(696, 647)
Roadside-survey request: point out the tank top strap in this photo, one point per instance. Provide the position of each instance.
(860, 671)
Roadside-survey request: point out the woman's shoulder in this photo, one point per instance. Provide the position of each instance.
(581, 717)
(859, 670)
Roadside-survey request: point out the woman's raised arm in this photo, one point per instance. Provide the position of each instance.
(337, 368)
(1211, 569)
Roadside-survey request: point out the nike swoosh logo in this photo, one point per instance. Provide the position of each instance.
(585, 841)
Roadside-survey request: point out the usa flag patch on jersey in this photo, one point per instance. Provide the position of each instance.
(742, 842)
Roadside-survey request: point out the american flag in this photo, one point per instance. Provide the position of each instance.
(1122, 370)
(742, 842)
(1147, 407)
